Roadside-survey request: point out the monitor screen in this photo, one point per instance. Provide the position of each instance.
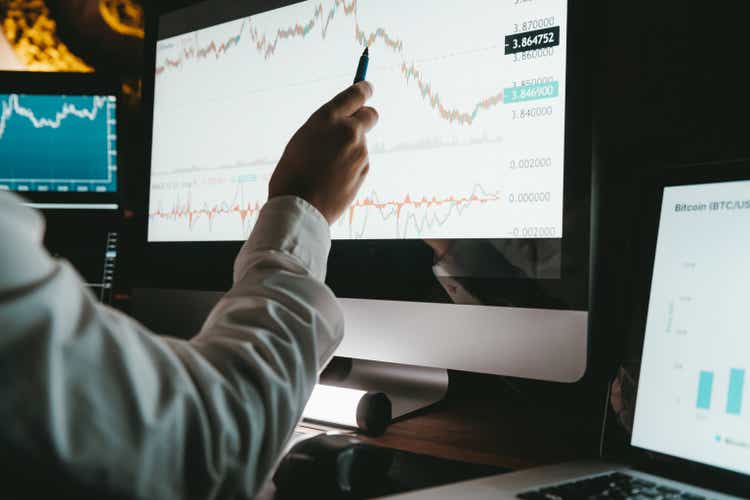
(471, 97)
(694, 392)
(479, 180)
(58, 143)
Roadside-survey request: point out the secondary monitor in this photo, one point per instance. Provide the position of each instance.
(58, 140)
(468, 244)
(693, 398)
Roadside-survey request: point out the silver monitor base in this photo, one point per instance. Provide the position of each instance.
(409, 388)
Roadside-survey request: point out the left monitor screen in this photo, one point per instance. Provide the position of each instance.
(58, 143)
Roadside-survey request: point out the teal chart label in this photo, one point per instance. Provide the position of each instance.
(534, 92)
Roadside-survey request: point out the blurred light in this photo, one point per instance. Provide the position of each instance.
(333, 405)
(8, 59)
(123, 16)
(32, 34)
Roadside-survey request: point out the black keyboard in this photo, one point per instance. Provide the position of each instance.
(610, 486)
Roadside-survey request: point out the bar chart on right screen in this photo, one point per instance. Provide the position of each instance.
(693, 392)
(735, 386)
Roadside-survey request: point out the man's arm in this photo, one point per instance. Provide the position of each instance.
(93, 398)
(87, 391)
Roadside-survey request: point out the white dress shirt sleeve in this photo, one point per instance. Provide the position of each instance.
(91, 396)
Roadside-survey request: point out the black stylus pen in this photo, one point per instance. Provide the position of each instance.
(362, 66)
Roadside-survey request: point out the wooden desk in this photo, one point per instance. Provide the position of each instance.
(509, 431)
(517, 429)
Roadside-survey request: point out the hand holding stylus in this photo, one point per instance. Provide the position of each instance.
(327, 160)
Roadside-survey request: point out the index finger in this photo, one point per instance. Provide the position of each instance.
(350, 100)
(367, 117)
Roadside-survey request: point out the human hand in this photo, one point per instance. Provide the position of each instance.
(326, 160)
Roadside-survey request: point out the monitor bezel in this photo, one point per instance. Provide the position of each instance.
(173, 260)
(72, 84)
(676, 468)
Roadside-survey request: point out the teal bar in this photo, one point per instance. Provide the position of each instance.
(705, 384)
(736, 384)
(534, 92)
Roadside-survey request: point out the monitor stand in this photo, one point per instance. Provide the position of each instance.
(409, 388)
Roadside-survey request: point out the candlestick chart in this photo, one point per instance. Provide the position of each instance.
(227, 98)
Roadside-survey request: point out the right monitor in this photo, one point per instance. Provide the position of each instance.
(694, 391)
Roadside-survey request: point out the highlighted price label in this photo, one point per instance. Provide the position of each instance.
(532, 40)
(531, 92)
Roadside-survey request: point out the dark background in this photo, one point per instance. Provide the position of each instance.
(668, 91)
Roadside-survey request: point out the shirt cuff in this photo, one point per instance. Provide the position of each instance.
(290, 225)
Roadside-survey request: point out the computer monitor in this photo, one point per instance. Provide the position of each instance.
(58, 140)
(468, 245)
(692, 400)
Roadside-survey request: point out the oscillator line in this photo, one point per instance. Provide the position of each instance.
(388, 209)
(186, 211)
